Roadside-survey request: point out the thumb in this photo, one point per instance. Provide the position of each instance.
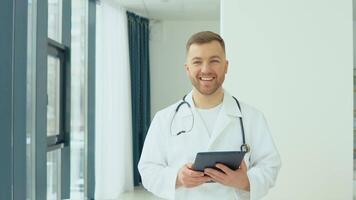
(189, 165)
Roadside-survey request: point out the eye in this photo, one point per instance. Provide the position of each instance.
(215, 61)
(196, 62)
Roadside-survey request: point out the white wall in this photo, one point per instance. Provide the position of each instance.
(169, 82)
(293, 60)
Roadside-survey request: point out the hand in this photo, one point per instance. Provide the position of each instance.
(189, 178)
(234, 178)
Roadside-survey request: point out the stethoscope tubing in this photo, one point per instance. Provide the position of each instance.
(244, 147)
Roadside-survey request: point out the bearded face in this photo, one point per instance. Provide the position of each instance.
(206, 67)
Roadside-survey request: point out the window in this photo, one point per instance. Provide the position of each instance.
(58, 147)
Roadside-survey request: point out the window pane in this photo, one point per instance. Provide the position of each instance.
(78, 97)
(53, 92)
(55, 20)
(54, 174)
(30, 98)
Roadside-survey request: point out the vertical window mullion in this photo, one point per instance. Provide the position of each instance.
(66, 88)
(90, 140)
(40, 135)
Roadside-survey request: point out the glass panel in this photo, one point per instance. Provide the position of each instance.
(54, 174)
(55, 20)
(30, 98)
(53, 92)
(78, 97)
(354, 135)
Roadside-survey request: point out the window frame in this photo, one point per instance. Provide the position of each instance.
(43, 143)
(13, 57)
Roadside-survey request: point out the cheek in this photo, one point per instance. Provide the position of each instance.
(223, 71)
(188, 71)
(193, 72)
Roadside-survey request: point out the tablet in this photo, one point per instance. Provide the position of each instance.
(231, 159)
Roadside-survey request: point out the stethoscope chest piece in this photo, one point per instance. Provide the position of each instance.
(245, 148)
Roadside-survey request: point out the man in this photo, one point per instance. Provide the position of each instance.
(209, 123)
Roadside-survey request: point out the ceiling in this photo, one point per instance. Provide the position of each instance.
(174, 9)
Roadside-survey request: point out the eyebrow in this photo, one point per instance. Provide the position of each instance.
(196, 58)
(212, 57)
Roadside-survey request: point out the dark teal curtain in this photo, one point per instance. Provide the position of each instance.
(138, 28)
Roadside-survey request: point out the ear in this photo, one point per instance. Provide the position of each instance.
(186, 68)
(227, 66)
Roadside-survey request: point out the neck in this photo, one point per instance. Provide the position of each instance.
(207, 101)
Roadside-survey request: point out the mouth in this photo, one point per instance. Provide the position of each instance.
(206, 78)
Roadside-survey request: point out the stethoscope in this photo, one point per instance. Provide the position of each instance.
(244, 147)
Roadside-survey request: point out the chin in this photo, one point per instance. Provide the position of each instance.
(207, 92)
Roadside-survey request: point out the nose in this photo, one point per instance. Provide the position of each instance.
(205, 67)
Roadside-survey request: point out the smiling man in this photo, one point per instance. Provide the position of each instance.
(208, 119)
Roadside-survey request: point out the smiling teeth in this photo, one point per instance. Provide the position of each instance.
(206, 79)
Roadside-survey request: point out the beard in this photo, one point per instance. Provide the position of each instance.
(207, 89)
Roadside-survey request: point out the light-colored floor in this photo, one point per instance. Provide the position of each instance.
(139, 193)
(354, 188)
(354, 195)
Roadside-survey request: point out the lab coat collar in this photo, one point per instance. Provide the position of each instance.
(229, 107)
(229, 113)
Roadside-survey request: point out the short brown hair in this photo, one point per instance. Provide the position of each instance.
(205, 37)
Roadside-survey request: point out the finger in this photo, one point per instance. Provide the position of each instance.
(192, 173)
(206, 178)
(224, 168)
(215, 177)
(202, 179)
(197, 181)
(215, 173)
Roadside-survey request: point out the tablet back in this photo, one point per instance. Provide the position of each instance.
(231, 159)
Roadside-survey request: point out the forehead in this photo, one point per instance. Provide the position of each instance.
(205, 50)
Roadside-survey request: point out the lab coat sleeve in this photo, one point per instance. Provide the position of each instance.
(264, 161)
(157, 176)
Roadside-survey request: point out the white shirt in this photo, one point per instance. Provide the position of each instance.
(209, 116)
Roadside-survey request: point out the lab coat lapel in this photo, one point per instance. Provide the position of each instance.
(227, 114)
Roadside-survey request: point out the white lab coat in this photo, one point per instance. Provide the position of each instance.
(165, 153)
